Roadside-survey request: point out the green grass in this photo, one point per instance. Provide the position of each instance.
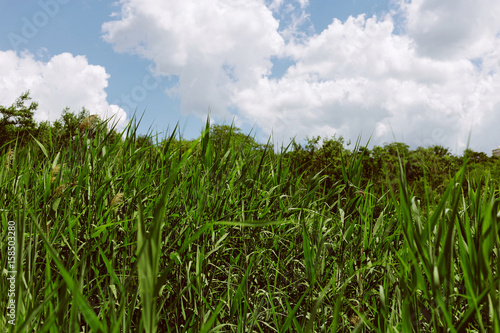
(225, 238)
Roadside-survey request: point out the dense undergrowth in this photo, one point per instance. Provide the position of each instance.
(116, 236)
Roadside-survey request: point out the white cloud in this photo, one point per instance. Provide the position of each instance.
(358, 77)
(453, 29)
(426, 86)
(213, 46)
(63, 81)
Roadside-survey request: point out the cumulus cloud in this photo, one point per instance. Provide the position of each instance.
(453, 28)
(213, 46)
(358, 77)
(63, 81)
(427, 85)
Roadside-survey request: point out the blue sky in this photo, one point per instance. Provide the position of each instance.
(422, 72)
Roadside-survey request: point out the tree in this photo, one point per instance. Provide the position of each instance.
(71, 123)
(476, 157)
(62, 131)
(17, 121)
(220, 134)
(144, 141)
(45, 133)
(441, 151)
(330, 156)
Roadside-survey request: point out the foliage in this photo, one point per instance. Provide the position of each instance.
(324, 159)
(17, 126)
(214, 234)
(17, 121)
(57, 134)
(222, 135)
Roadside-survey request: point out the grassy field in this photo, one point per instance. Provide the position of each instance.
(112, 237)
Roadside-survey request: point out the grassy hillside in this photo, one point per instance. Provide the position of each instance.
(122, 235)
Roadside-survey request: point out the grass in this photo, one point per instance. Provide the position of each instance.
(112, 237)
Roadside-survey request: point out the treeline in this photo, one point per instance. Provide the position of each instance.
(18, 127)
(427, 171)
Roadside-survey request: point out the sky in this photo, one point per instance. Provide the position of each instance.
(422, 72)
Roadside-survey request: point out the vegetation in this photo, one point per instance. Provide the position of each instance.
(125, 233)
(17, 120)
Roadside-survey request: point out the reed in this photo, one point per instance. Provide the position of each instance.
(223, 238)
(9, 159)
(90, 123)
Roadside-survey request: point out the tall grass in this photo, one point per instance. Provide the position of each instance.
(224, 238)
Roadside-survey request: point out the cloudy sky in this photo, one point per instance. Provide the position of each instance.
(423, 72)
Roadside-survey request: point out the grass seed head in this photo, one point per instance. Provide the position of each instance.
(117, 199)
(59, 191)
(89, 123)
(9, 159)
(360, 192)
(354, 319)
(55, 171)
